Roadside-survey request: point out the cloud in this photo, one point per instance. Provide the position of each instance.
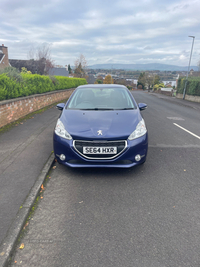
(104, 31)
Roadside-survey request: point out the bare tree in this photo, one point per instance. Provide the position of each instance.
(31, 53)
(41, 54)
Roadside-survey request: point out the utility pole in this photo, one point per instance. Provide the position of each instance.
(188, 67)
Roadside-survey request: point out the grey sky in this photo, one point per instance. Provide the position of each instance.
(126, 31)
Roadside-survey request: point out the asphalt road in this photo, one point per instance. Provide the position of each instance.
(147, 216)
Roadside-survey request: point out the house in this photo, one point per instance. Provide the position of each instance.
(35, 66)
(58, 72)
(194, 73)
(169, 85)
(91, 79)
(4, 62)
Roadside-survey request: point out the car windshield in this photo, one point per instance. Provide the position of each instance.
(101, 99)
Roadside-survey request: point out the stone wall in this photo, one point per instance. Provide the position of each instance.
(13, 109)
(189, 97)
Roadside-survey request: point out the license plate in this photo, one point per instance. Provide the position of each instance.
(99, 150)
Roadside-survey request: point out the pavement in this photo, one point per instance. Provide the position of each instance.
(25, 160)
(187, 103)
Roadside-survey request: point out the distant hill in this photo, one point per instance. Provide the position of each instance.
(151, 66)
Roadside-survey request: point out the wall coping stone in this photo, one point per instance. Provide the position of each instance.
(8, 101)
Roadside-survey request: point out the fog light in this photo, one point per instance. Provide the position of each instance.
(62, 157)
(138, 157)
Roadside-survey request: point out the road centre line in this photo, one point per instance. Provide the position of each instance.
(187, 131)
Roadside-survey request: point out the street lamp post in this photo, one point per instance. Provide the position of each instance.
(188, 66)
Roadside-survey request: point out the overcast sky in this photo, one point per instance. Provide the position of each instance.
(112, 31)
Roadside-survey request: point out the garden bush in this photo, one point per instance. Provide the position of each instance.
(13, 73)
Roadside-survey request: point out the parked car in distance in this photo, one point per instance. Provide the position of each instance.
(101, 126)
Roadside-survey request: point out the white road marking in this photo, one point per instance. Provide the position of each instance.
(187, 131)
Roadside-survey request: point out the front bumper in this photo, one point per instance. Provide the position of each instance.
(124, 160)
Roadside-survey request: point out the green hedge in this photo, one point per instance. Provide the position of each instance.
(193, 86)
(9, 88)
(35, 84)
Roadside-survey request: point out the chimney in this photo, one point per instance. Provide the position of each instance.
(5, 62)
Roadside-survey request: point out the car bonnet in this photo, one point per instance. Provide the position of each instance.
(112, 124)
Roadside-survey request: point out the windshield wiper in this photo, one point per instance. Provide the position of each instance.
(97, 109)
(125, 108)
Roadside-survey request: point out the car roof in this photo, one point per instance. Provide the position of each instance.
(101, 86)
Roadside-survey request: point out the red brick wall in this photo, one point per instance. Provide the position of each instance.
(12, 110)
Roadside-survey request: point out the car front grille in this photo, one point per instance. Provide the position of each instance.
(120, 145)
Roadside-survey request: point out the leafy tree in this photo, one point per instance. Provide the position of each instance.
(156, 79)
(69, 69)
(79, 72)
(149, 80)
(80, 67)
(142, 80)
(108, 79)
(99, 80)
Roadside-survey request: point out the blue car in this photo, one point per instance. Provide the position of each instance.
(101, 126)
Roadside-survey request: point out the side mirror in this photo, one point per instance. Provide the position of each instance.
(60, 106)
(142, 106)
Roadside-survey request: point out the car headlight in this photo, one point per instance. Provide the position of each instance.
(60, 130)
(139, 131)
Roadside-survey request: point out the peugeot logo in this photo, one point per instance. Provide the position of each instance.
(99, 132)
